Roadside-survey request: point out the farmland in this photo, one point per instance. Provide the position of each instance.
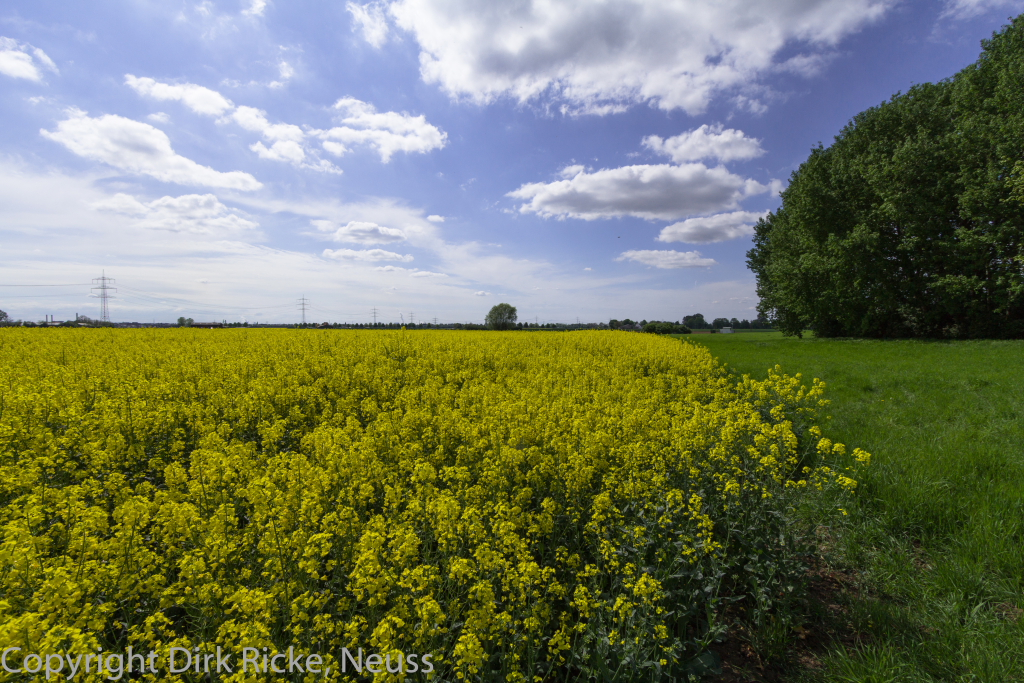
(497, 507)
(934, 545)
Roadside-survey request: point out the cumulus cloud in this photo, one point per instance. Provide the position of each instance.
(365, 255)
(598, 55)
(481, 293)
(370, 21)
(19, 60)
(193, 213)
(667, 258)
(139, 148)
(426, 273)
(706, 142)
(197, 98)
(386, 132)
(360, 232)
(434, 218)
(708, 229)
(286, 140)
(646, 191)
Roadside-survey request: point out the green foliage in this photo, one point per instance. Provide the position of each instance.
(696, 321)
(910, 224)
(502, 317)
(935, 536)
(185, 322)
(4, 317)
(656, 327)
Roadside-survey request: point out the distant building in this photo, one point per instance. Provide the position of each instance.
(207, 325)
(726, 330)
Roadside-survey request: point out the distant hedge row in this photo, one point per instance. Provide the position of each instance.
(656, 327)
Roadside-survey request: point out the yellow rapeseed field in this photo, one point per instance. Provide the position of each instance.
(482, 506)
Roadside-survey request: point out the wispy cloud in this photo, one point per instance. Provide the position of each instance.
(19, 60)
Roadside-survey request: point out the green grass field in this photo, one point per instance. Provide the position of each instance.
(936, 540)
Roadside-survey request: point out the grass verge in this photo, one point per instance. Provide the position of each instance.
(932, 554)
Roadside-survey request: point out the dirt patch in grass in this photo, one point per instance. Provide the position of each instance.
(823, 624)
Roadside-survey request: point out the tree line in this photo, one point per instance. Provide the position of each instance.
(910, 224)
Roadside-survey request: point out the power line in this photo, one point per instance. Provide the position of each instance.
(32, 296)
(74, 284)
(303, 304)
(375, 316)
(175, 301)
(104, 287)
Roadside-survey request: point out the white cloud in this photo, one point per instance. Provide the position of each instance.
(387, 132)
(383, 211)
(587, 269)
(707, 229)
(434, 218)
(286, 140)
(360, 232)
(255, 120)
(193, 213)
(706, 142)
(19, 60)
(481, 293)
(667, 258)
(963, 9)
(44, 59)
(369, 20)
(365, 255)
(255, 8)
(159, 117)
(197, 98)
(282, 150)
(647, 191)
(411, 272)
(596, 55)
(802, 65)
(286, 71)
(139, 148)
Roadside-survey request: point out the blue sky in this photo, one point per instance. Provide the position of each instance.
(592, 159)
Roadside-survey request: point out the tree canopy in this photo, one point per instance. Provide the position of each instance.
(910, 223)
(659, 327)
(502, 317)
